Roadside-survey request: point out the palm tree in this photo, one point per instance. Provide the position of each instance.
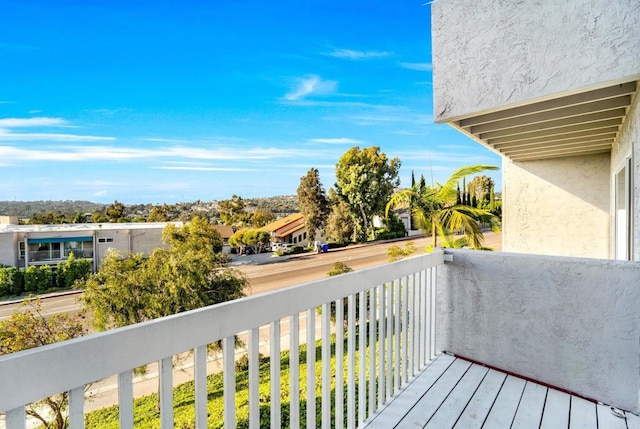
(438, 209)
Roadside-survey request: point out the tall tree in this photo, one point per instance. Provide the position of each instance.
(262, 217)
(115, 211)
(28, 328)
(481, 187)
(232, 211)
(438, 210)
(314, 204)
(366, 179)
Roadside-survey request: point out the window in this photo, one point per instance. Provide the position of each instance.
(623, 230)
(21, 250)
(105, 240)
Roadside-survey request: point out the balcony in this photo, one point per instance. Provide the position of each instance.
(40, 256)
(546, 335)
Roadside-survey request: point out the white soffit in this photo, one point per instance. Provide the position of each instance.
(577, 124)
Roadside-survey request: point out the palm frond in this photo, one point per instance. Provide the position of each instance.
(450, 185)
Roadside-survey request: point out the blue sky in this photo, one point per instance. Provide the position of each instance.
(166, 101)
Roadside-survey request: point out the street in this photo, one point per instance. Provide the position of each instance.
(273, 272)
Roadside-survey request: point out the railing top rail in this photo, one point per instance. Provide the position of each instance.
(64, 366)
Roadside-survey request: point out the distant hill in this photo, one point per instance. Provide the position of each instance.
(280, 205)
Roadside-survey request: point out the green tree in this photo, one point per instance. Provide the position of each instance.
(28, 328)
(366, 179)
(340, 227)
(437, 210)
(481, 188)
(115, 211)
(314, 204)
(198, 234)
(232, 212)
(256, 239)
(262, 217)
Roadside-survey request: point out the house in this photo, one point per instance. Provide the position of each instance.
(226, 231)
(290, 230)
(551, 87)
(25, 245)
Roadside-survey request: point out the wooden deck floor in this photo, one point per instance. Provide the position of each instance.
(454, 393)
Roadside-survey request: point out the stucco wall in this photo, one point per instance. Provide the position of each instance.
(8, 249)
(557, 206)
(492, 53)
(628, 142)
(569, 322)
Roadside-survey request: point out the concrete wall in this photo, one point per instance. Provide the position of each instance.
(628, 143)
(489, 54)
(557, 206)
(573, 323)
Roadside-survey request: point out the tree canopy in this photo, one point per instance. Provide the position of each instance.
(314, 204)
(438, 210)
(186, 275)
(365, 180)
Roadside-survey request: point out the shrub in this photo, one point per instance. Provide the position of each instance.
(396, 253)
(339, 268)
(15, 280)
(297, 249)
(37, 279)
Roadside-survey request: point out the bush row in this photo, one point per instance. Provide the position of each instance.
(38, 279)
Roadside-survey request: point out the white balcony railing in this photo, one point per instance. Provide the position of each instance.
(392, 305)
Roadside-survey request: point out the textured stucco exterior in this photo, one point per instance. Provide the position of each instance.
(628, 143)
(569, 322)
(491, 54)
(557, 206)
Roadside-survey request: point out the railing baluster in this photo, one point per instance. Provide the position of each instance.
(274, 371)
(372, 350)
(15, 419)
(254, 378)
(339, 413)
(125, 399)
(351, 362)
(432, 312)
(326, 365)
(381, 346)
(405, 332)
(229, 382)
(362, 355)
(165, 372)
(294, 371)
(311, 368)
(396, 337)
(424, 326)
(76, 408)
(389, 377)
(200, 385)
(412, 326)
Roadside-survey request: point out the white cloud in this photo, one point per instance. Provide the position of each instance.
(341, 140)
(32, 122)
(417, 66)
(187, 168)
(357, 55)
(8, 124)
(311, 85)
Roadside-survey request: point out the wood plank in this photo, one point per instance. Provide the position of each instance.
(583, 414)
(431, 401)
(456, 402)
(556, 410)
(608, 420)
(400, 405)
(633, 421)
(529, 414)
(476, 411)
(506, 404)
